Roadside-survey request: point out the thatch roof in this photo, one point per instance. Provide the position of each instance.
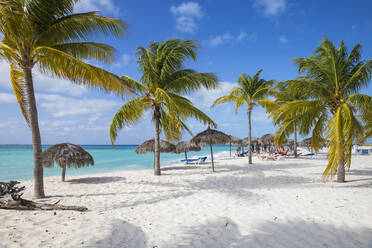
(186, 146)
(267, 139)
(245, 141)
(149, 146)
(211, 137)
(66, 154)
(306, 142)
(235, 141)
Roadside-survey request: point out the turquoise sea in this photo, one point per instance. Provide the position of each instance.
(16, 161)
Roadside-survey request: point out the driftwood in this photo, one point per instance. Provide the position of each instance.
(10, 198)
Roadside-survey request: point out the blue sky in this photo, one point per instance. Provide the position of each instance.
(236, 37)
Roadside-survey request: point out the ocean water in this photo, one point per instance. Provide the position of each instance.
(16, 162)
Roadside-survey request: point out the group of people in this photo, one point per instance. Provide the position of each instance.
(271, 150)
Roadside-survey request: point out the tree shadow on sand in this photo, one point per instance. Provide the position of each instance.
(223, 232)
(96, 180)
(232, 186)
(123, 235)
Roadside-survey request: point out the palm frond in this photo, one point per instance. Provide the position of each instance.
(127, 115)
(56, 63)
(19, 87)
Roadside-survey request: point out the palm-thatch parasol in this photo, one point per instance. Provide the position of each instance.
(186, 146)
(211, 137)
(306, 143)
(149, 146)
(267, 139)
(235, 141)
(66, 154)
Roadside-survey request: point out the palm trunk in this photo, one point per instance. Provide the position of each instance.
(341, 172)
(295, 141)
(36, 140)
(63, 173)
(249, 136)
(157, 142)
(212, 157)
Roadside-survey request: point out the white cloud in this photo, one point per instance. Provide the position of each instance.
(204, 98)
(95, 5)
(283, 39)
(244, 36)
(229, 38)
(60, 106)
(220, 39)
(43, 83)
(186, 15)
(7, 98)
(126, 59)
(271, 7)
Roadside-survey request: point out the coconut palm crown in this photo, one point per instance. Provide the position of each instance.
(333, 79)
(284, 93)
(250, 90)
(47, 35)
(163, 80)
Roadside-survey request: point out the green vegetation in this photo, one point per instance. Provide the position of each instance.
(333, 79)
(251, 90)
(46, 34)
(163, 81)
(284, 94)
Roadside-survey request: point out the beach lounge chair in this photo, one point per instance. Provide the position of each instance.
(309, 155)
(199, 160)
(243, 154)
(364, 152)
(269, 157)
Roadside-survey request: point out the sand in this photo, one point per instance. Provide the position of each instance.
(268, 204)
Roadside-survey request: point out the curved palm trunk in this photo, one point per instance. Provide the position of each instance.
(295, 141)
(249, 136)
(157, 142)
(36, 140)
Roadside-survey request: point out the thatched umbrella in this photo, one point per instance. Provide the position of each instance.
(306, 143)
(66, 154)
(186, 146)
(267, 139)
(234, 141)
(245, 141)
(149, 146)
(211, 137)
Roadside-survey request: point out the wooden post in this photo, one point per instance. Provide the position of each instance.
(212, 156)
(63, 173)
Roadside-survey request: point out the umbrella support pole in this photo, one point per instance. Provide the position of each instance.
(63, 173)
(230, 150)
(212, 157)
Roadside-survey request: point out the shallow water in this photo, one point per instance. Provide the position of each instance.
(16, 161)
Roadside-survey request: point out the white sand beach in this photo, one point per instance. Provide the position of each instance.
(269, 204)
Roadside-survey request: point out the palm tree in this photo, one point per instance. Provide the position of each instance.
(46, 34)
(284, 93)
(333, 80)
(251, 90)
(163, 81)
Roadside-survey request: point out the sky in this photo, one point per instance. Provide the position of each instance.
(235, 36)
